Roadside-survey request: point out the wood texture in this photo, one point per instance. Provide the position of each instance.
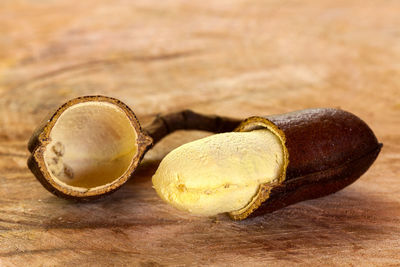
(232, 58)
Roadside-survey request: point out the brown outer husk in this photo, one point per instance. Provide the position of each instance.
(40, 139)
(328, 150)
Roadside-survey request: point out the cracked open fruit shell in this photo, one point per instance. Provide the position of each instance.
(103, 136)
(325, 150)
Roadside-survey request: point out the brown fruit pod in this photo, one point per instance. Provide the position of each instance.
(325, 151)
(92, 145)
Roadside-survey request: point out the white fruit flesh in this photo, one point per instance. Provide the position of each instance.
(220, 173)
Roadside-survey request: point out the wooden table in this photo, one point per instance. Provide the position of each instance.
(234, 58)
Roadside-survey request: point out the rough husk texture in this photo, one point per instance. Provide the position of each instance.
(328, 150)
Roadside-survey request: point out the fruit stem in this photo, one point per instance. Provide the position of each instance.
(163, 125)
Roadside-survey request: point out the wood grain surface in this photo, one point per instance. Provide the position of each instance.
(234, 58)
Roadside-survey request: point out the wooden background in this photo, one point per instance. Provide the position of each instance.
(232, 57)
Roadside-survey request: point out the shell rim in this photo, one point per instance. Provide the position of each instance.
(143, 143)
(264, 190)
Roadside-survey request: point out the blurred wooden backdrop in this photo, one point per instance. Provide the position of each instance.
(236, 58)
